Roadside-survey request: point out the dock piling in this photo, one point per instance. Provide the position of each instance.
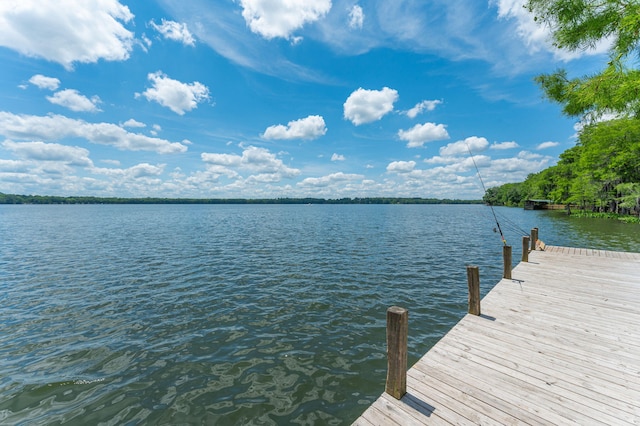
(397, 333)
(473, 280)
(525, 248)
(534, 238)
(506, 254)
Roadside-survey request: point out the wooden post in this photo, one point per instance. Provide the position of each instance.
(397, 333)
(525, 248)
(473, 280)
(534, 238)
(506, 254)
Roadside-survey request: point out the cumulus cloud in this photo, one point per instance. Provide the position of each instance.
(133, 123)
(519, 167)
(56, 127)
(401, 166)
(226, 160)
(67, 31)
(260, 161)
(75, 101)
(356, 17)
(337, 157)
(175, 31)
(365, 106)
(422, 106)
(44, 82)
(311, 127)
(546, 145)
(461, 148)
(420, 134)
(177, 96)
(328, 180)
(146, 169)
(142, 170)
(156, 128)
(279, 18)
(40, 151)
(527, 155)
(504, 145)
(13, 166)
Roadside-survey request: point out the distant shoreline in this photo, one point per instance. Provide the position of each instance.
(51, 199)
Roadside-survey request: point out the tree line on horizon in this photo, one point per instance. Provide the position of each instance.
(52, 199)
(602, 171)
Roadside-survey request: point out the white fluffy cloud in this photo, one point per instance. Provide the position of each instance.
(423, 106)
(461, 148)
(365, 106)
(142, 170)
(279, 18)
(40, 151)
(311, 127)
(255, 160)
(67, 31)
(420, 134)
(56, 127)
(356, 17)
(75, 101)
(401, 166)
(175, 31)
(331, 179)
(547, 145)
(133, 123)
(177, 96)
(519, 167)
(504, 145)
(44, 82)
(337, 157)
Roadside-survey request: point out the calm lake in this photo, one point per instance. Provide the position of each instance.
(237, 314)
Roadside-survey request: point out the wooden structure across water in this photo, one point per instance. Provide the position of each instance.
(558, 343)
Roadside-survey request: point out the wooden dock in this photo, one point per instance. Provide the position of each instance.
(559, 343)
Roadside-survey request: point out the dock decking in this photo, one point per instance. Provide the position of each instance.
(557, 344)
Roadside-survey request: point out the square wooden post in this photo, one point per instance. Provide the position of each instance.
(397, 335)
(506, 254)
(525, 248)
(473, 280)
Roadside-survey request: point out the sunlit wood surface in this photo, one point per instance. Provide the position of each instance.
(559, 343)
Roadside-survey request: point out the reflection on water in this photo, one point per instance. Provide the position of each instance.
(235, 314)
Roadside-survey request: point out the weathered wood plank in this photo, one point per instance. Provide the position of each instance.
(559, 343)
(559, 402)
(463, 400)
(606, 397)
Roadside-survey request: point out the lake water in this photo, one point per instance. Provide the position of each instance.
(236, 314)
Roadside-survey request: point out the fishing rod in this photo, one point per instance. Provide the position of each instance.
(504, 241)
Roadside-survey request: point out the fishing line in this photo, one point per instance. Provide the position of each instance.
(514, 226)
(504, 241)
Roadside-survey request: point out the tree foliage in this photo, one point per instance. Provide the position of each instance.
(602, 172)
(579, 25)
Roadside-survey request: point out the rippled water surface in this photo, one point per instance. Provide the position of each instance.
(236, 314)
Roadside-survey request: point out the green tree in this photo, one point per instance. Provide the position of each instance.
(582, 24)
(629, 196)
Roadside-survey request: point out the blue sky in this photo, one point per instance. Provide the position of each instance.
(275, 98)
